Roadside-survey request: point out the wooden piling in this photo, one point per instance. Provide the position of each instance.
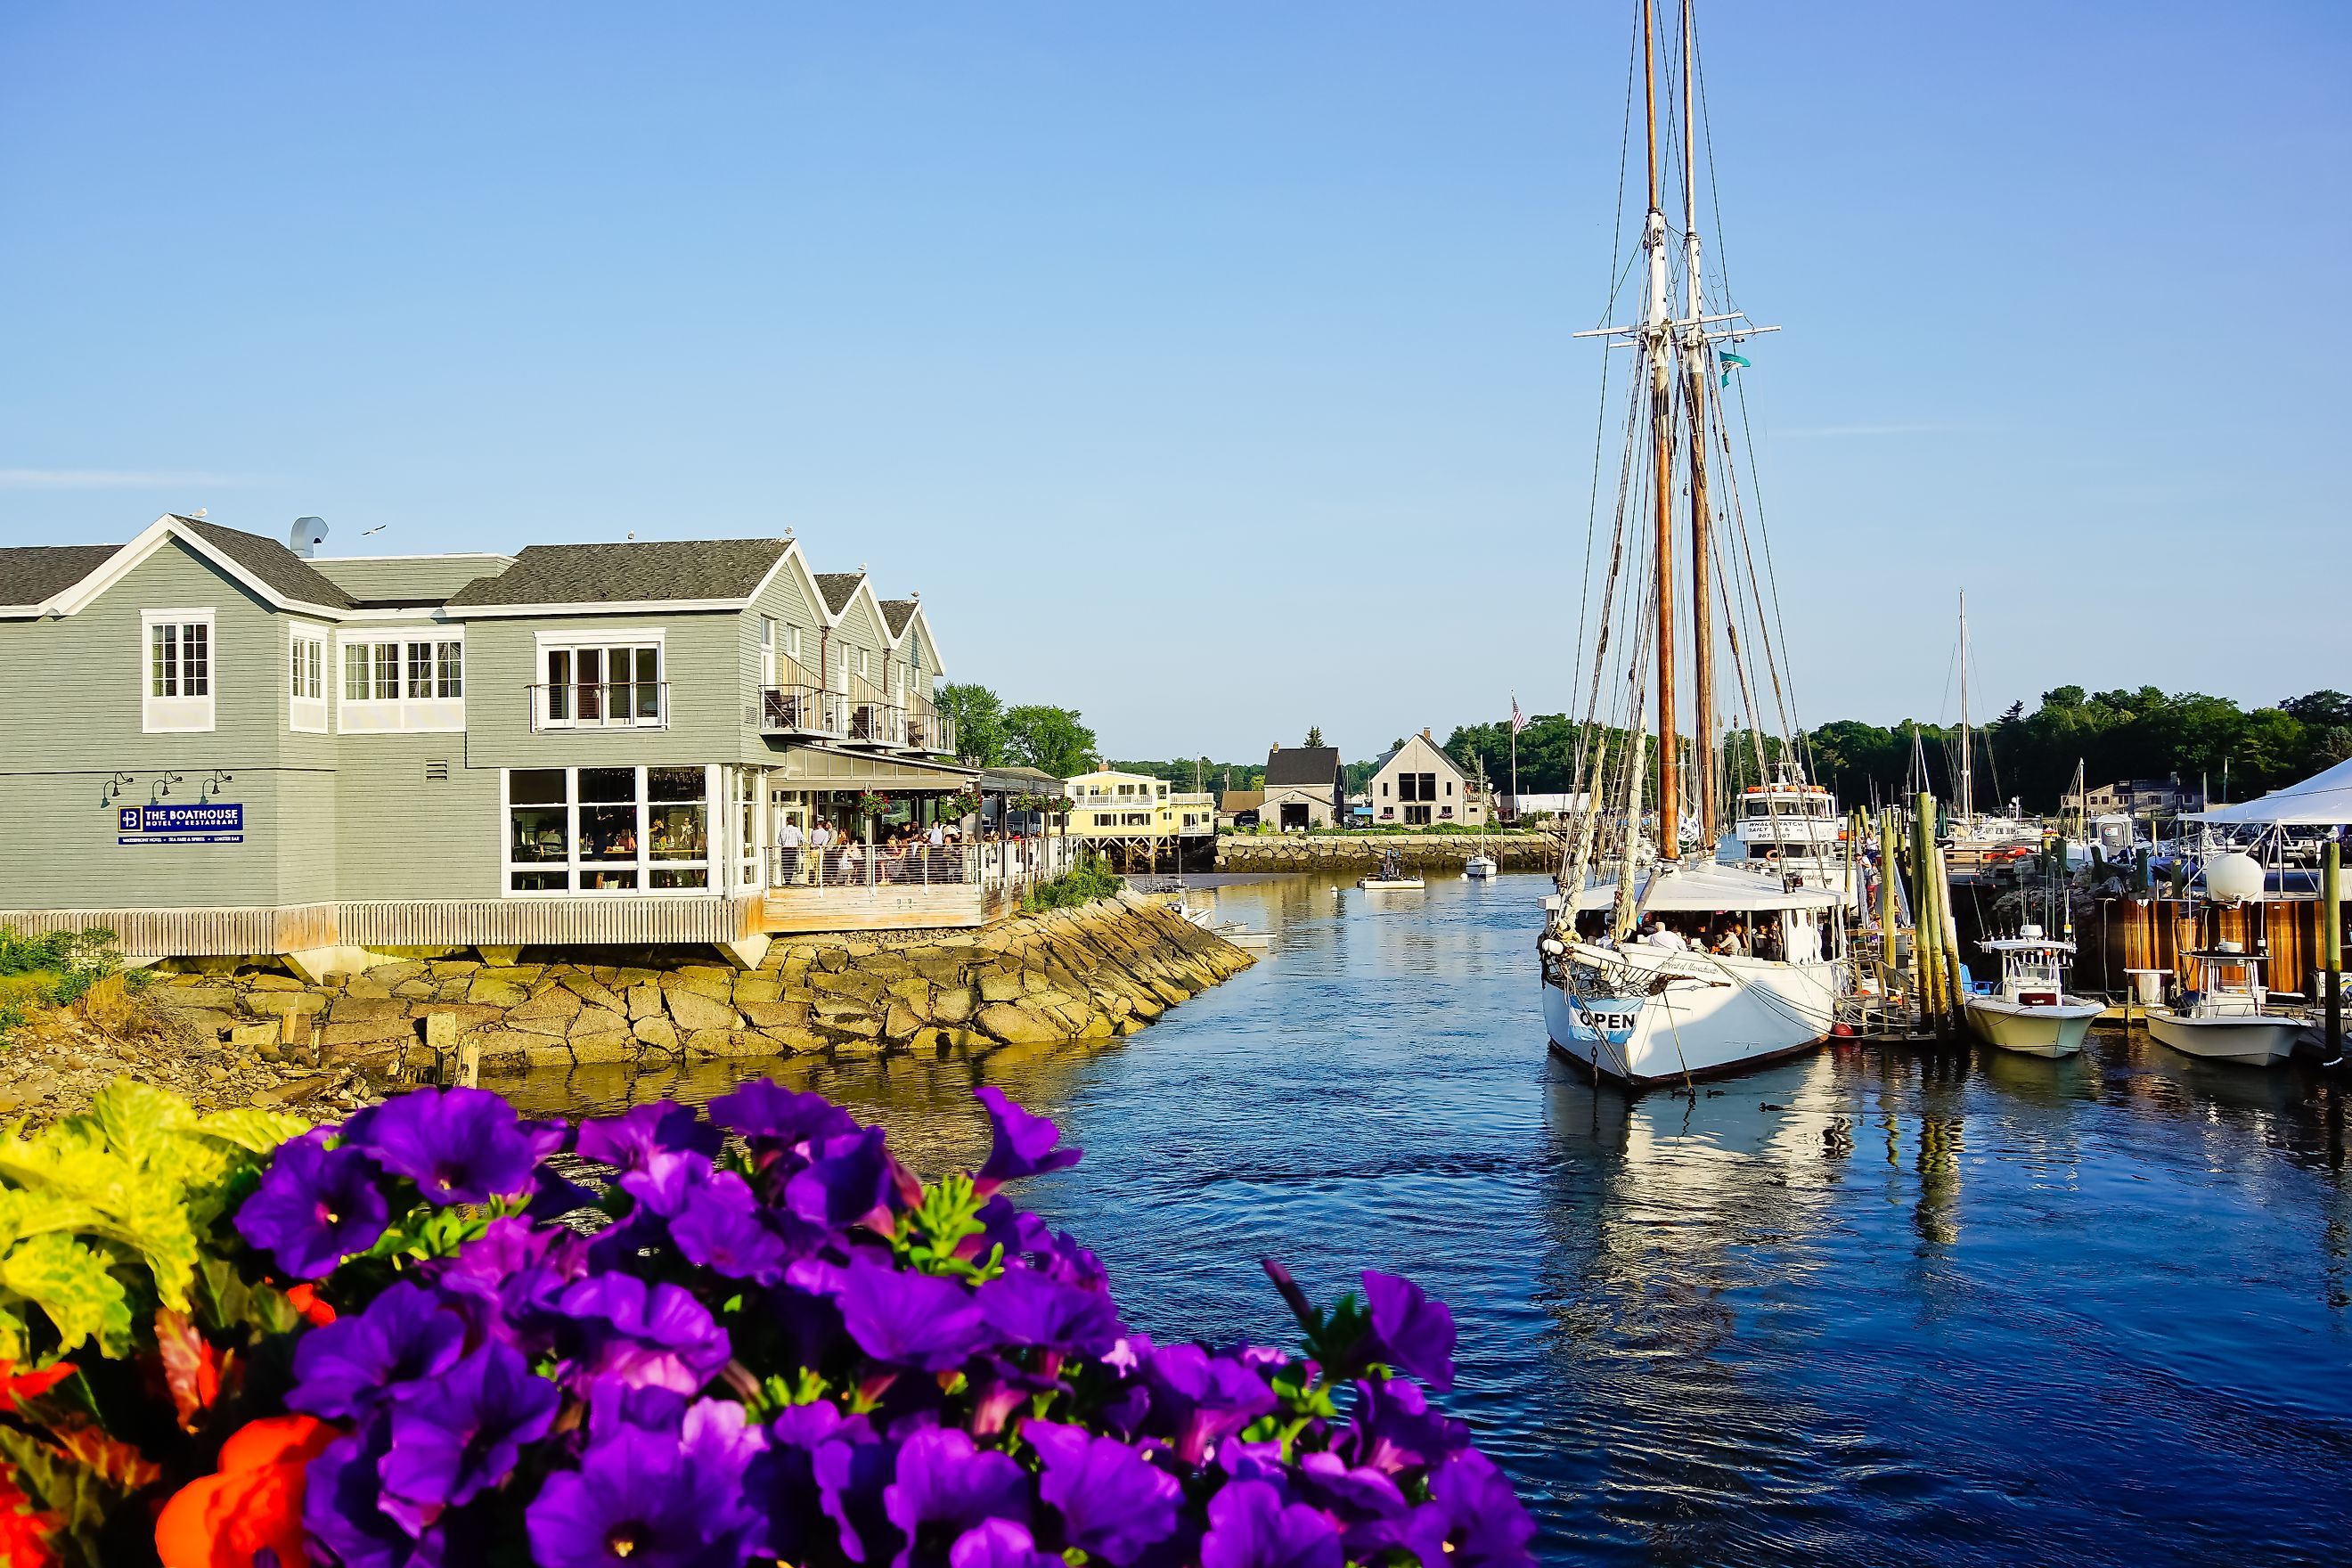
(2331, 946)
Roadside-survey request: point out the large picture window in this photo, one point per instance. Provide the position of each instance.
(176, 694)
(406, 683)
(608, 830)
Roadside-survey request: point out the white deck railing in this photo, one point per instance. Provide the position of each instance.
(1015, 865)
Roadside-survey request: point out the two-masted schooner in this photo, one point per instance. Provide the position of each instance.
(1661, 966)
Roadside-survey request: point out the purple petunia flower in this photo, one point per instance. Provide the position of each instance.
(1485, 1526)
(1025, 1306)
(1349, 1494)
(1251, 1527)
(1199, 1400)
(765, 1111)
(1113, 1504)
(908, 1320)
(851, 1477)
(619, 1328)
(544, 1136)
(782, 1482)
(722, 1227)
(1023, 1146)
(666, 1179)
(629, 1139)
(315, 1207)
(458, 1145)
(1395, 1429)
(639, 1499)
(343, 1368)
(1409, 1332)
(461, 1433)
(945, 1485)
(998, 1543)
(848, 1182)
(341, 1511)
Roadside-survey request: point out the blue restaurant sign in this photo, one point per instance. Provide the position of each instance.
(212, 821)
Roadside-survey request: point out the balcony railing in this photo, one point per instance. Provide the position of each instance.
(932, 733)
(803, 710)
(601, 705)
(877, 724)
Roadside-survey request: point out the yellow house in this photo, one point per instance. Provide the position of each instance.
(1136, 814)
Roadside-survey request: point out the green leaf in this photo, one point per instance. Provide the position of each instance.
(136, 1118)
(256, 1131)
(70, 1284)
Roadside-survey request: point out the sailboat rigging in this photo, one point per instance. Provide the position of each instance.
(1669, 965)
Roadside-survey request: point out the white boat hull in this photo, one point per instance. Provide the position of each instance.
(1391, 885)
(1714, 1015)
(1479, 868)
(2252, 1040)
(2035, 1031)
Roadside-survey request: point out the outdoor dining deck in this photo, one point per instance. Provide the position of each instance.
(863, 886)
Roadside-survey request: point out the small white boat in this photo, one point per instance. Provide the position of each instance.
(2223, 1019)
(2029, 1010)
(1391, 878)
(1242, 936)
(1479, 868)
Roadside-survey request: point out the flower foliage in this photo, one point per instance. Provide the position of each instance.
(754, 1339)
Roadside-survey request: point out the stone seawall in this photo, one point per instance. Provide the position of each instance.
(1103, 969)
(1354, 853)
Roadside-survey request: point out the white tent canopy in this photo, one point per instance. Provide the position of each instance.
(1710, 889)
(2324, 798)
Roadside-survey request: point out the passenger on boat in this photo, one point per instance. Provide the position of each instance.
(1729, 943)
(1658, 934)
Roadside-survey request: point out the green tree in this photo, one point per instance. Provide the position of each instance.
(1314, 736)
(1052, 740)
(979, 715)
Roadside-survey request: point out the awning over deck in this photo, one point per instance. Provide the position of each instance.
(827, 768)
(1710, 889)
(2322, 799)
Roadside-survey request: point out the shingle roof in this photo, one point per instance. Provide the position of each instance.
(637, 571)
(31, 573)
(838, 588)
(1238, 800)
(1302, 765)
(284, 571)
(897, 613)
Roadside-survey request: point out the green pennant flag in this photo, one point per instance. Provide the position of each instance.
(1729, 361)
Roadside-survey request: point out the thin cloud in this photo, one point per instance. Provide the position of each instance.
(1833, 430)
(117, 478)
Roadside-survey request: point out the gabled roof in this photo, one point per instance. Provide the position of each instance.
(1385, 758)
(1302, 765)
(274, 563)
(838, 588)
(896, 614)
(715, 573)
(32, 573)
(61, 580)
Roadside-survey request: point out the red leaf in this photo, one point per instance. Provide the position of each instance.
(191, 1366)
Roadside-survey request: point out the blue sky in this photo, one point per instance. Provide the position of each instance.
(1208, 367)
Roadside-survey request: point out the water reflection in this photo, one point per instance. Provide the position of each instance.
(1872, 1306)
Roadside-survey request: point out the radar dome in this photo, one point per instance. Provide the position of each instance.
(2234, 878)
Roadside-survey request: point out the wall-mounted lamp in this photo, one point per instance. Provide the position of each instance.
(116, 786)
(214, 782)
(162, 789)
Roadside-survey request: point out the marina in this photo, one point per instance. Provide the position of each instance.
(1874, 1305)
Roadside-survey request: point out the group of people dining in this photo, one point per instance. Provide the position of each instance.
(1725, 936)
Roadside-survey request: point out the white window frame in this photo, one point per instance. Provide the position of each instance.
(392, 706)
(767, 650)
(792, 643)
(542, 715)
(178, 713)
(716, 830)
(310, 673)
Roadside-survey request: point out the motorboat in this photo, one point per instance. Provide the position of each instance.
(2225, 1018)
(1788, 828)
(2028, 1009)
(1391, 878)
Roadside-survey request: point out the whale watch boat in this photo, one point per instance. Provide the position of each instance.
(2029, 1009)
(1661, 964)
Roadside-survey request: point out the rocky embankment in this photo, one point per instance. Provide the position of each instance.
(1352, 854)
(226, 1032)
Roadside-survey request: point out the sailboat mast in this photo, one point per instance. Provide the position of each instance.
(1702, 514)
(1658, 338)
(1966, 812)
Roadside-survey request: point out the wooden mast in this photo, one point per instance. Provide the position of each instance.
(1695, 365)
(1658, 337)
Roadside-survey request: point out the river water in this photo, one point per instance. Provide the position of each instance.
(1872, 1307)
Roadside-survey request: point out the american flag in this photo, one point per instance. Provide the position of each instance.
(1519, 720)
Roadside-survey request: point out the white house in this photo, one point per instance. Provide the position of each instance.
(1418, 785)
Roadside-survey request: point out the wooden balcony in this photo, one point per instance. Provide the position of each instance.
(806, 711)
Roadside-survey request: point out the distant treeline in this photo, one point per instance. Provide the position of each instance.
(2115, 735)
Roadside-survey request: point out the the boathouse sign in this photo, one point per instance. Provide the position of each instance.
(211, 822)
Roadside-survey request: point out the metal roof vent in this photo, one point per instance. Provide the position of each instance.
(307, 534)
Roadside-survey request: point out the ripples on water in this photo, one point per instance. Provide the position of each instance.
(1869, 1307)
